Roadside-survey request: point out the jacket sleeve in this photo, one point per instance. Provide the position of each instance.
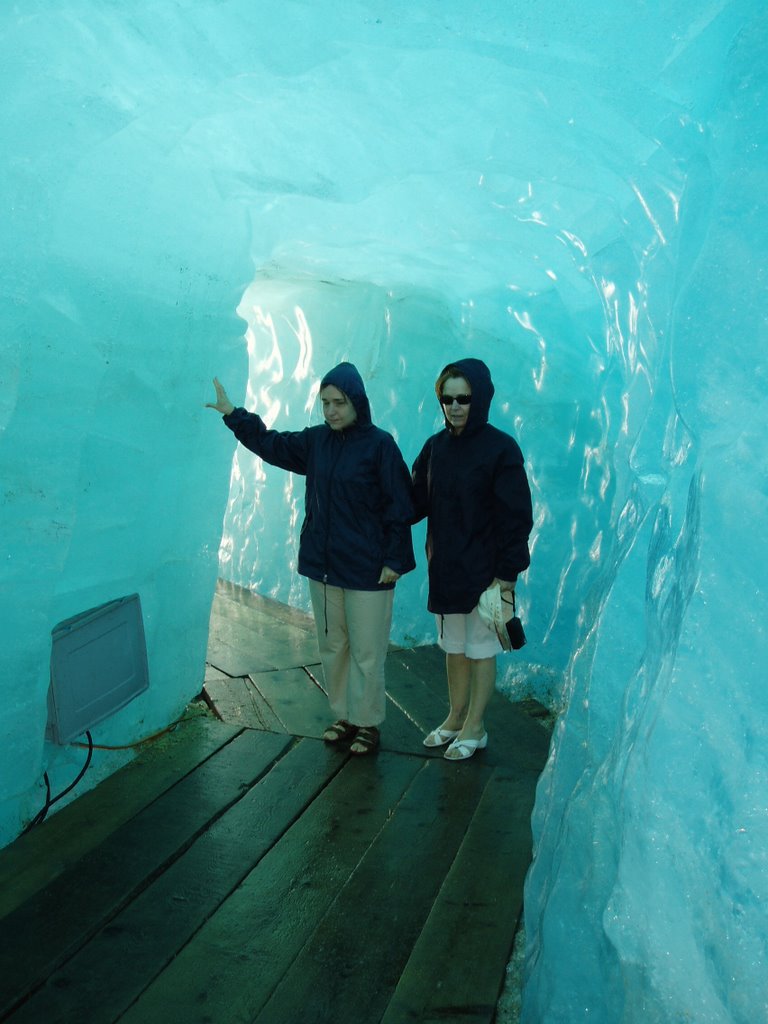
(419, 478)
(285, 449)
(397, 508)
(512, 513)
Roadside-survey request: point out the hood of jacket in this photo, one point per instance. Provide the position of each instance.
(479, 376)
(346, 378)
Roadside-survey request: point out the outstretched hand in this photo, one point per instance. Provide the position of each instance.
(222, 403)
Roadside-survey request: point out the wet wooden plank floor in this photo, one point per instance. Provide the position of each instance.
(241, 870)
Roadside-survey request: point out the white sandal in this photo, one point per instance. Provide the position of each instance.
(439, 737)
(465, 749)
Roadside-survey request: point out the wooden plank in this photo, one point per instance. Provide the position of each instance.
(228, 971)
(237, 595)
(94, 985)
(238, 657)
(35, 859)
(400, 733)
(239, 651)
(259, 617)
(238, 701)
(416, 683)
(89, 894)
(350, 965)
(514, 738)
(296, 700)
(293, 701)
(243, 640)
(427, 663)
(456, 970)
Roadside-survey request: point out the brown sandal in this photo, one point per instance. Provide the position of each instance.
(339, 731)
(368, 740)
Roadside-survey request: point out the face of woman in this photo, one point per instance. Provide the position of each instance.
(457, 413)
(338, 411)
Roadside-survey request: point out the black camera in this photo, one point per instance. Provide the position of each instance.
(516, 633)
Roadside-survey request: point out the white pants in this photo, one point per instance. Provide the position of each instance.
(467, 635)
(353, 635)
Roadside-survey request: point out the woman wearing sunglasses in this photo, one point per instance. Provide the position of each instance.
(355, 540)
(470, 483)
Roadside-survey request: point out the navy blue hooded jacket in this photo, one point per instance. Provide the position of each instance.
(473, 489)
(358, 506)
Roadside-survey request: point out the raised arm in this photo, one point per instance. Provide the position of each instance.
(284, 449)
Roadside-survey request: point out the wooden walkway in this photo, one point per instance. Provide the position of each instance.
(241, 870)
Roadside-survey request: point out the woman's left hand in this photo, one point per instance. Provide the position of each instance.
(388, 575)
(506, 586)
(222, 403)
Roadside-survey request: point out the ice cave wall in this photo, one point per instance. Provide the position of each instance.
(122, 268)
(647, 896)
(575, 195)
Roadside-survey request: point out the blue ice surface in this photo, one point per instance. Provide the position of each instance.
(576, 194)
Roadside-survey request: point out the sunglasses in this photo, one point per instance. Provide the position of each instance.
(450, 399)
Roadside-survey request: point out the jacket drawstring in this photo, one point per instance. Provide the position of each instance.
(340, 447)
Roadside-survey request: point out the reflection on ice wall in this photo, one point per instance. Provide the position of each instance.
(576, 198)
(652, 816)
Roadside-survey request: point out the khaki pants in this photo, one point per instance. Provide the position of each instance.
(353, 634)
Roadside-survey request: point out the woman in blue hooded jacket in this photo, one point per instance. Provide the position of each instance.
(470, 484)
(355, 540)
